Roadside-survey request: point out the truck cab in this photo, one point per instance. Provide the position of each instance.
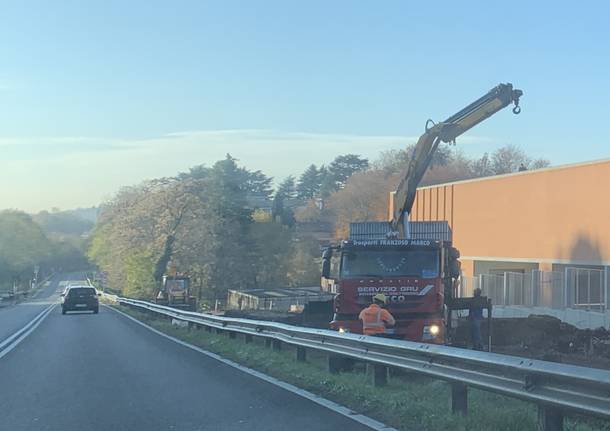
(416, 276)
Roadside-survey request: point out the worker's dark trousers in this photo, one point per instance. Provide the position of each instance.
(475, 334)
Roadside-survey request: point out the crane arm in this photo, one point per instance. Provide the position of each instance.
(496, 100)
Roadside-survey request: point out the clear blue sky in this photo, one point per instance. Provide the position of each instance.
(98, 94)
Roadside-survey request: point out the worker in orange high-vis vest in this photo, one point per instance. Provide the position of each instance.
(374, 318)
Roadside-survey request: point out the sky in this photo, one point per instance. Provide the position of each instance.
(95, 95)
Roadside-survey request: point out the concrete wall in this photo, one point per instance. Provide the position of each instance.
(557, 215)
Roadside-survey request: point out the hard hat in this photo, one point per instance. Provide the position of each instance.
(380, 297)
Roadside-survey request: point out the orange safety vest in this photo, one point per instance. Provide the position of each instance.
(374, 318)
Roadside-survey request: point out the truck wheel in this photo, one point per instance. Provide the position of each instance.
(96, 310)
(63, 311)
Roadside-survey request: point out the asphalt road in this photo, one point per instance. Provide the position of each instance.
(105, 372)
(14, 316)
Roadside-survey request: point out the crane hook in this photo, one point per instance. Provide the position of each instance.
(517, 108)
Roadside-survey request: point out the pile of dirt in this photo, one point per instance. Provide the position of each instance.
(536, 336)
(546, 338)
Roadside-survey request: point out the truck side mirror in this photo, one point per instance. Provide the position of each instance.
(326, 268)
(454, 265)
(454, 253)
(455, 268)
(326, 257)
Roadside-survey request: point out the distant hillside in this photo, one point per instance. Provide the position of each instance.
(85, 213)
(72, 222)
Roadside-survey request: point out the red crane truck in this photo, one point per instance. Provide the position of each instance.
(413, 263)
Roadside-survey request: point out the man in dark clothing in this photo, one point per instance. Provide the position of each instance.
(475, 315)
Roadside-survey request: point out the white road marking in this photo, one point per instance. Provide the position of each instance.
(11, 342)
(331, 405)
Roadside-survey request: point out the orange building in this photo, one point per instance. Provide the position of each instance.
(549, 219)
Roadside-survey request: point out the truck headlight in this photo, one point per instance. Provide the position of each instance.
(343, 330)
(431, 331)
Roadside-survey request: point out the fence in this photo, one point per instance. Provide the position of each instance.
(585, 288)
(578, 288)
(556, 388)
(9, 292)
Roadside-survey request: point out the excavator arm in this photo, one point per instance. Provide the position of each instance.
(496, 100)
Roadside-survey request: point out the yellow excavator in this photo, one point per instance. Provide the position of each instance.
(175, 291)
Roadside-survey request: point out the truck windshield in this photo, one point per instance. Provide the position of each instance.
(423, 263)
(175, 285)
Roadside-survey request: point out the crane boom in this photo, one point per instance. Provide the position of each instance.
(497, 99)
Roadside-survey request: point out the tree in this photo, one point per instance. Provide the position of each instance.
(344, 167)
(539, 164)
(364, 198)
(287, 188)
(23, 245)
(255, 183)
(139, 278)
(328, 184)
(284, 192)
(62, 222)
(274, 243)
(395, 161)
(509, 158)
(392, 162)
(303, 267)
(482, 167)
(199, 221)
(175, 202)
(258, 184)
(309, 183)
(146, 218)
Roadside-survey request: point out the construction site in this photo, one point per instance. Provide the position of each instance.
(545, 278)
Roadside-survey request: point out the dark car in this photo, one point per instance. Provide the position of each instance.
(80, 298)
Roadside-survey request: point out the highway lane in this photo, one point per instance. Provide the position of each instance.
(14, 317)
(105, 372)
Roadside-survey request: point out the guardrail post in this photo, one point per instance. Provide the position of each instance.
(268, 342)
(232, 334)
(550, 418)
(337, 363)
(276, 344)
(378, 373)
(459, 398)
(248, 338)
(208, 328)
(301, 354)
(219, 331)
(334, 364)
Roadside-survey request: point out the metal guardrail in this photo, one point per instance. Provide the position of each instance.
(556, 388)
(12, 294)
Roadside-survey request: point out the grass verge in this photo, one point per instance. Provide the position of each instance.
(408, 402)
